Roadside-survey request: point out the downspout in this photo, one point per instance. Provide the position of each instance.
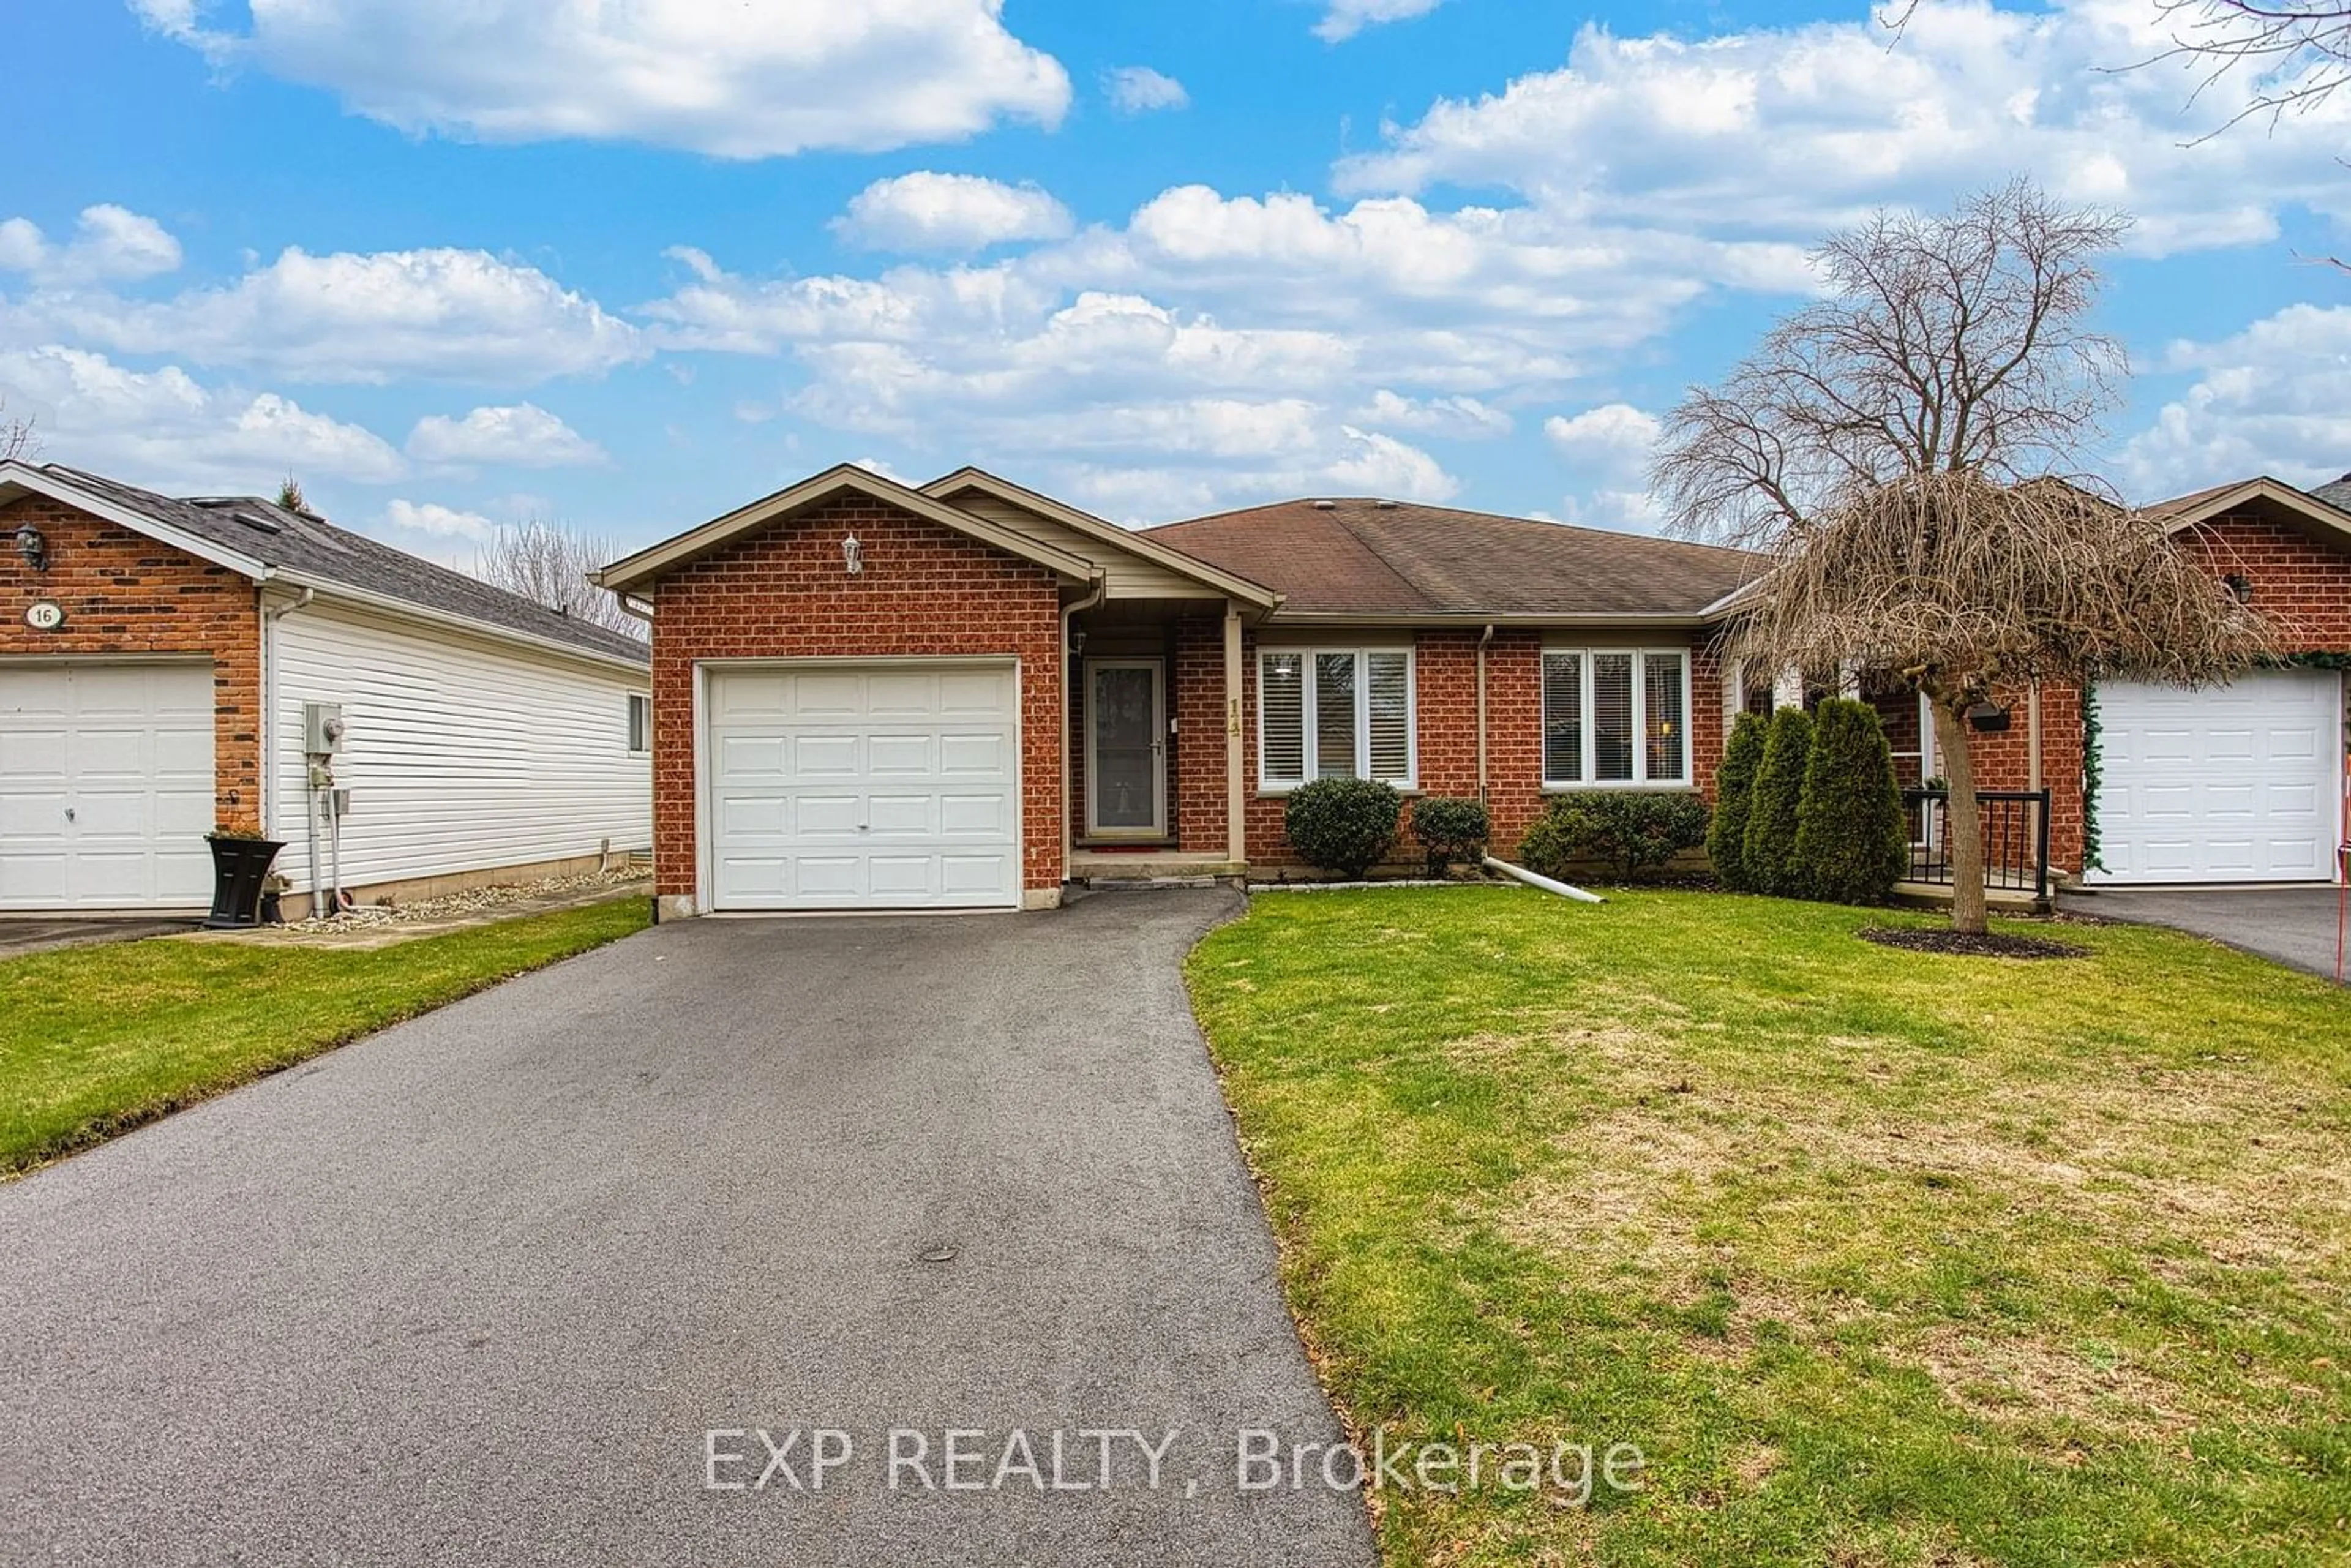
(270, 617)
(2033, 737)
(1483, 638)
(1069, 829)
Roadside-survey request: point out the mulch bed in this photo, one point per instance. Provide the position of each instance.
(1932, 939)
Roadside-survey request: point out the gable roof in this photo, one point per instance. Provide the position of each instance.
(1359, 557)
(633, 572)
(968, 479)
(267, 542)
(2320, 514)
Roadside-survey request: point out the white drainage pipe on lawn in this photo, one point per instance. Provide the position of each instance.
(1534, 879)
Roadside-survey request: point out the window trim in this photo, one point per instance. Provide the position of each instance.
(640, 742)
(1584, 654)
(1307, 654)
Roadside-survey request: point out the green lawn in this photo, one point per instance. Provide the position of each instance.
(94, 1041)
(1878, 1257)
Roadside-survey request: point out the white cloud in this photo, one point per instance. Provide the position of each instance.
(930, 212)
(1462, 416)
(109, 242)
(520, 435)
(1139, 90)
(718, 77)
(1792, 132)
(2273, 399)
(439, 521)
(165, 429)
(458, 315)
(1346, 18)
(1609, 447)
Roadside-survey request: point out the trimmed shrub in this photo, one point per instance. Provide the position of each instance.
(1633, 830)
(1770, 858)
(1734, 795)
(1451, 828)
(1852, 840)
(1343, 825)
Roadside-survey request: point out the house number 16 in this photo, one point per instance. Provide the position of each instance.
(45, 615)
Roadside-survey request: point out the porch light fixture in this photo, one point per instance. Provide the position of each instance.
(32, 547)
(1990, 717)
(1077, 639)
(852, 555)
(2239, 586)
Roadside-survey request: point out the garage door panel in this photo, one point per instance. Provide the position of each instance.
(974, 755)
(902, 814)
(899, 754)
(871, 802)
(2238, 783)
(106, 784)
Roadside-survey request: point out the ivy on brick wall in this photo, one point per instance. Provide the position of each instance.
(2092, 766)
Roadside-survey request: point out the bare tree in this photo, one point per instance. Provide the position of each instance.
(2292, 53)
(1893, 451)
(20, 442)
(551, 564)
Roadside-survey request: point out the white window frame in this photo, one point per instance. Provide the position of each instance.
(1411, 781)
(640, 741)
(1584, 654)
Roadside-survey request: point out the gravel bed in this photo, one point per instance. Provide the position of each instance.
(473, 900)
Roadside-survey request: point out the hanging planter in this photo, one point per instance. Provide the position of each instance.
(241, 862)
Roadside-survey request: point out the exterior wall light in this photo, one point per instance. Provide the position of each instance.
(852, 555)
(32, 547)
(2239, 586)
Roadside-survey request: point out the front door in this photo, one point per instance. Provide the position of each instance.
(1125, 724)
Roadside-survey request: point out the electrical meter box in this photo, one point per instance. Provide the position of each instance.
(322, 729)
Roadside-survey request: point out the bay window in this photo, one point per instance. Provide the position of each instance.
(1615, 716)
(1334, 713)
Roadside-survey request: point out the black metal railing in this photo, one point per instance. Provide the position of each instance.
(2016, 838)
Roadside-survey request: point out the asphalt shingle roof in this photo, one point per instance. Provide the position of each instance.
(1359, 556)
(298, 541)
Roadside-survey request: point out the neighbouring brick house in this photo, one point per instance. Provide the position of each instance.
(155, 669)
(969, 695)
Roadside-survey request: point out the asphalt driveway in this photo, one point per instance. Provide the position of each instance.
(2293, 926)
(480, 1289)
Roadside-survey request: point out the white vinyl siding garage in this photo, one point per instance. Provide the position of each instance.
(463, 754)
(106, 784)
(891, 784)
(2236, 783)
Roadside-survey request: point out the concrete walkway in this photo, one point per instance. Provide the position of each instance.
(2293, 926)
(477, 1289)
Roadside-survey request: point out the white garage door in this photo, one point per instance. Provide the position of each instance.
(893, 785)
(2235, 783)
(106, 786)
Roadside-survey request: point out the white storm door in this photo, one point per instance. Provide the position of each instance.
(106, 786)
(1126, 775)
(888, 785)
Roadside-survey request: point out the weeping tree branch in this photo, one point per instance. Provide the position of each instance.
(1896, 452)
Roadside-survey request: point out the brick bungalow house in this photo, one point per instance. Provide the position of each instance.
(160, 657)
(968, 695)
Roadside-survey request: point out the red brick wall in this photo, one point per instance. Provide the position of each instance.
(1197, 702)
(2305, 585)
(124, 593)
(781, 593)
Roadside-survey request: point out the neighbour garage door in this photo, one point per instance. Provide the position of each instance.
(106, 786)
(893, 785)
(2236, 783)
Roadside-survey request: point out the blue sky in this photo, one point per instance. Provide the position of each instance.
(626, 266)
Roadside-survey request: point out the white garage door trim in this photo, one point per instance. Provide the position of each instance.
(105, 784)
(1004, 893)
(2241, 783)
